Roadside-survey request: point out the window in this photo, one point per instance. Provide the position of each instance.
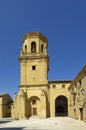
(41, 48)
(34, 102)
(33, 67)
(25, 48)
(33, 47)
(80, 82)
(63, 85)
(53, 86)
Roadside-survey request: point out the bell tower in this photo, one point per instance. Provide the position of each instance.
(33, 96)
(34, 60)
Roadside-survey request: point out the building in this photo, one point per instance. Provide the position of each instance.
(77, 97)
(5, 105)
(38, 96)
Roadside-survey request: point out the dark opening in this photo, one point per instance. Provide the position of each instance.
(25, 48)
(61, 106)
(41, 48)
(34, 102)
(33, 47)
(33, 67)
(34, 111)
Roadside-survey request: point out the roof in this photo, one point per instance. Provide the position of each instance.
(1, 95)
(80, 75)
(40, 35)
(60, 81)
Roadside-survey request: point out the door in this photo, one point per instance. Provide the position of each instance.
(81, 113)
(74, 113)
(34, 111)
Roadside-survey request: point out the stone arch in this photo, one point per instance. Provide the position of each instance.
(33, 106)
(42, 47)
(33, 47)
(61, 106)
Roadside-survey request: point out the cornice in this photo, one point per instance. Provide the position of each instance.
(60, 81)
(35, 34)
(33, 57)
(34, 85)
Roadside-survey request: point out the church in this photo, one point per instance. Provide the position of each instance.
(38, 96)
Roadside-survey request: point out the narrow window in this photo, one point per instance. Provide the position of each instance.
(41, 48)
(53, 86)
(25, 48)
(80, 82)
(33, 47)
(34, 102)
(63, 85)
(33, 67)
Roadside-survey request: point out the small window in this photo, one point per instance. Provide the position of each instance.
(80, 82)
(33, 67)
(41, 48)
(53, 86)
(25, 48)
(63, 85)
(34, 102)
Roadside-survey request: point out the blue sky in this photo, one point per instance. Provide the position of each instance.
(63, 22)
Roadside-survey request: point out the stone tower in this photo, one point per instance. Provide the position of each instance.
(33, 97)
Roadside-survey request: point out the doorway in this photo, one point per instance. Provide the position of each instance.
(34, 111)
(61, 106)
(81, 113)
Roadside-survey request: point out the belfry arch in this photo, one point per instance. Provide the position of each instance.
(33, 47)
(61, 106)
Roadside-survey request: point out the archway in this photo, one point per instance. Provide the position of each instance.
(33, 47)
(33, 106)
(61, 106)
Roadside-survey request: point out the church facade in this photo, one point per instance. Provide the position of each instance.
(38, 96)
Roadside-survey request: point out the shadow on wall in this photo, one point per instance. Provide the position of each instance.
(9, 128)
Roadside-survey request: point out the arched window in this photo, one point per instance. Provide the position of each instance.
(33, 47)
(41, 48)
(25, 48)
